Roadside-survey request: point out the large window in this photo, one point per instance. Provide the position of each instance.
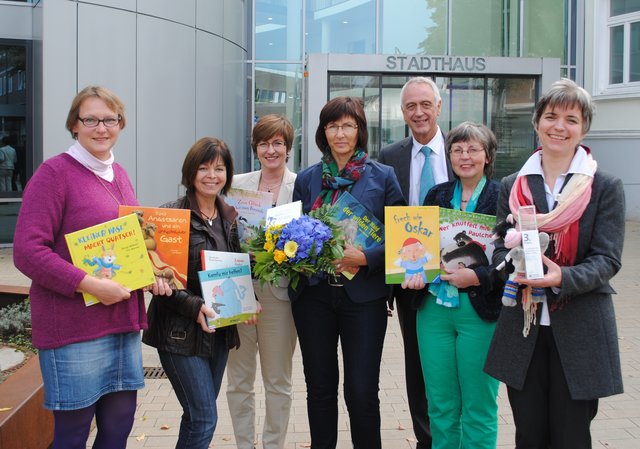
(341, 26)
(505, 104)
(278, 90)
(15, 131)
(624, 42)
(278, 30)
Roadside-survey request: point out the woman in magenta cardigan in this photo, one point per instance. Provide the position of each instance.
(90, 357)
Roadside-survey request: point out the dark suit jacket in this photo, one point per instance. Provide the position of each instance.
(377, 187)
(486, 298)
(398, 156)
(584, 327)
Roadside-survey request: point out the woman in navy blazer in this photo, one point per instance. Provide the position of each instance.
(353, 311)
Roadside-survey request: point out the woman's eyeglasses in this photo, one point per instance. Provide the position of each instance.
(92, 122)
(347, 128)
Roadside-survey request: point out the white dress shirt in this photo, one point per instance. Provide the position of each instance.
(438, 161)
(533, 166)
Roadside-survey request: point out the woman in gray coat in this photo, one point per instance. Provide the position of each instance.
(562, 355)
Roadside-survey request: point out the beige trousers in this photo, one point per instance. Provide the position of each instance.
(274, 338)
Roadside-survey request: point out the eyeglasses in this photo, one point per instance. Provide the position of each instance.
(92, 122)
(472, 152)
(347, 128)
(277, 145)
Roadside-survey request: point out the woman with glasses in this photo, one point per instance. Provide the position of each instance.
(456, 317)
(90, 357)
(274, 335)
(354, 311)
(570, 357)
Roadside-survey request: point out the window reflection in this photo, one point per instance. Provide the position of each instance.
(341, 26)
(278, 90)
(278, 32)
(510, 103)
(13, 119)
(507, 104)
(423, 31)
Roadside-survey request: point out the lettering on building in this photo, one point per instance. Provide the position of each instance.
(436, 63)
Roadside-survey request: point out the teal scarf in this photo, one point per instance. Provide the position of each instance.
(446, 294)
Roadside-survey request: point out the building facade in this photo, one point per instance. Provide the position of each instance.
(212, 67)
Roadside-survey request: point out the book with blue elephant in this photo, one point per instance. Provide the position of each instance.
(227, 287)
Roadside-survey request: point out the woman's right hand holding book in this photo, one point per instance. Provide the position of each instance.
(107, 291)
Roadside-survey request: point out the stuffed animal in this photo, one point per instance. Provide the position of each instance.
(515, 257)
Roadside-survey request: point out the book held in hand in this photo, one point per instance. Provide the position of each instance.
(166, 236)
(227, 287)
(412, 243)
(361, 228)
(112, 250)
(283, 214)
(252, 206)
(466, 239)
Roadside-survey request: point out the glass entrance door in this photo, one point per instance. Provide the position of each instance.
(505, 104)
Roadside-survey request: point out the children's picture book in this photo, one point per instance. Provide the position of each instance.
(227, 287)
(361, 228)
(412, 243)
(466, 239)
(112, 250)
(252, 206)
(166, 237)
(283, 214)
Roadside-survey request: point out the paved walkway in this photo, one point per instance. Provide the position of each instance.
(617, 425)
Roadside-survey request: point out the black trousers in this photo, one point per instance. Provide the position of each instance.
(544, 413)
(325, 316)
(416, 394)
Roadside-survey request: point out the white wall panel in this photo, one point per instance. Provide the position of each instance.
(107, 57)
(235, 22)
(59, 84)
(234, 117)
(15, 22)
(209, 85)
(210, 16)
(166, 106)
(129, 5)
(182, 11)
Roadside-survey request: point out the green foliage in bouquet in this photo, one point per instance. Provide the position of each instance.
(305, 246)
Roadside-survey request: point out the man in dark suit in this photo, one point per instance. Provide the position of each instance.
(421, 106)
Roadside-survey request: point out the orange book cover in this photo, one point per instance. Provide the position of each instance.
(166, 236)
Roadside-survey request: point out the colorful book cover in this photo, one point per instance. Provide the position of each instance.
(466, 239)
(227, 287)
(361, 228)
(283, 214)
(112, 250)
(412, 243)
(166, 237)
(252, 206)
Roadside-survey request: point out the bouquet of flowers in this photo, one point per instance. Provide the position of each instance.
(305, 246)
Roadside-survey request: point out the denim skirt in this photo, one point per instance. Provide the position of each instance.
(75, 376)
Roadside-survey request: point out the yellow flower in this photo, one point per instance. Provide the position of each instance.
(279, 256)
(268, 246)
(290, 248)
